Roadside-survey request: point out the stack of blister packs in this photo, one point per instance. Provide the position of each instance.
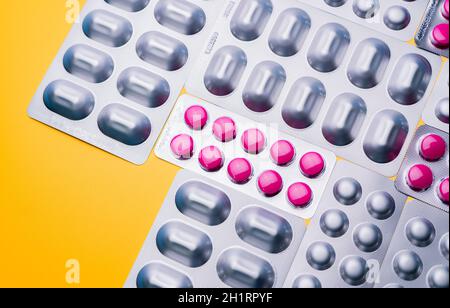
(307, 161)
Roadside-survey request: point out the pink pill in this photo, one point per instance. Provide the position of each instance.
(444, 191)
(312, 164)
(420, 177)
(433, 147)
(440, 36)
(282, 152)
(224, 129)
(270, 183)
(300, 195)
(253, 141)
(182, 146)
(240, 171)
(211, 159)
(196, 117)
(445, 9)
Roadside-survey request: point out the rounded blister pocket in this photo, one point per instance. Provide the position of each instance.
(129, 5)
(107, 28)
(250, 19)
(158, 275)
(181, 16)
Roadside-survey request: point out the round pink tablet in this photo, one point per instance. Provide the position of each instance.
(440, 36)
(225, 129)
(300, 195)
(420, 177)
(196, 117)
(312, 164)
(253, 141)
(240, 170)
(211, 159)
(182, 146)
(433, 147)
(444, 191)
(282, 152)
(445, 9)
(270, 183)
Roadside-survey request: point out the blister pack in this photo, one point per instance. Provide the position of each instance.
(250, 157)
(121, 69)
(347, 240)
(418, 255)
(397, 18)
(436, 113)
(209, 236)
(321, 78)
(433, 33)
(425, 172)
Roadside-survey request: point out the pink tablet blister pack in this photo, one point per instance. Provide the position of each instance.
(253, 158)
(425, 171)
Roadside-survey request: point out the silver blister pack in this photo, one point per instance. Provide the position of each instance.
(250, 157)
(397, 18)
(121, 69)
(436, 114)
(433, 33)
(347, 240)
(210, 236)
(418, 255)
(425, 172)
(319, 77)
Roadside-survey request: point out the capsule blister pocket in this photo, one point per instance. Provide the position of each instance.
(436, 114)
(208, 235)
(348, 238)
(418, 255)
(120, 70)
(424, 174)
(433, 33)
(397, 18)
(251, 157)
(319, 77)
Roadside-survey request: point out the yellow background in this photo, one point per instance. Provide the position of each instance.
(60, 198)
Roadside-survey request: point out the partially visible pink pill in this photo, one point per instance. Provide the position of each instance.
(420, 177)
(445, 9)
(312, 164)
(253, 141)
(433, 147)
(224, 129)
(270, 183)
(300, 195)
(282, 152)
(440, 36)
(182, 146)
(444, 191)
(196, 117)
(240, 170)
(211, 159)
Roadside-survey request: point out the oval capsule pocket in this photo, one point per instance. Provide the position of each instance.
(88, 63)
(124, 124)
(250, 19)
(129, 5)
(143, 87)
(181, 16)
(264, 86)
(264, 230)
(304, 103)
(184, 244)
(410, 79)
(386, 136)
(369, 63)
(158, 275)
(289, 32)
(162, 51)
(238, 268)
(203, 203)
(69, 100)
(344, 120)
(107, 28)
(225, 70)
(329, 48)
